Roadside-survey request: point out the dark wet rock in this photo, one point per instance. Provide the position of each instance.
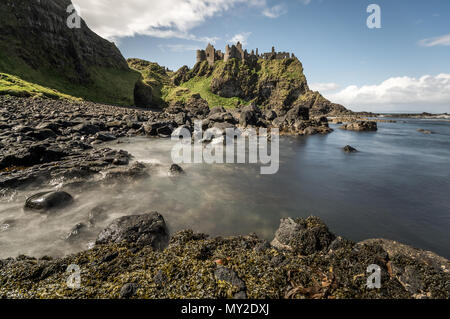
(303, 236)
(48, 200)
(349, 149)
(229, 276)
(176, 170)
(134, 172)
(159, 128)
(76, 232)
(32, 155)
(247, 118)
(86, 128)
(310, 131)
(421, 130)
(41, 134)
(143, 230)
(360, 126)
(298, 112)
(128, 290)
(105, 137)
(270, 115)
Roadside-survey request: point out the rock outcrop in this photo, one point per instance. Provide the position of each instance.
(37, 45)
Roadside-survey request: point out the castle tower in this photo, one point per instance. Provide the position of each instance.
(201, 56)
(210, 54)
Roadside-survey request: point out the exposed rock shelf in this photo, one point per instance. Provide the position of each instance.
(305, 260)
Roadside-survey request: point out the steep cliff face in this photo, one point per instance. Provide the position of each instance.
(37, 45)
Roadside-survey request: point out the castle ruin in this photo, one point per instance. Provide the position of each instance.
(212, 55)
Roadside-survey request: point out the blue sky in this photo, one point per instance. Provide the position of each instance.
(403, 66)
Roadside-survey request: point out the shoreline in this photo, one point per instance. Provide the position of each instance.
(42, 140)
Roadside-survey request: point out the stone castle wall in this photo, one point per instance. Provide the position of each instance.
(212, 55)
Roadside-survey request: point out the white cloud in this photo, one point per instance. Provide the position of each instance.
(178, 47)
(240, 37)
(427, 93)
(324, 87)
(275, 11)
(431, 42)
(305, 2)
(114, 19)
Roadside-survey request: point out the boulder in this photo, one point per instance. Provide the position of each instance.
(298, 112)
(175, 170)
(128, 290)
(360, 126)
(248, 117)
(86, 128)
(231, 277)
(135, 171)
(105, 137)
(303, 236)
(143, 230)
(48, 200)
(349, 149)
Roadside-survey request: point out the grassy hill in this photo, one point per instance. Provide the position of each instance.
(12, 85)
(37, 46)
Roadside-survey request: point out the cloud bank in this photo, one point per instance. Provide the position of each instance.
(399, 94)
(443, 40)
(275, 11)
(114, 19)
(240, 37)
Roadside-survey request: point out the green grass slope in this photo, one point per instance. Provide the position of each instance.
(14, 86)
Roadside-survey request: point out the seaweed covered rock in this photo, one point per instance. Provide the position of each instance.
(142, 230)
(303, 236)
(416, 270)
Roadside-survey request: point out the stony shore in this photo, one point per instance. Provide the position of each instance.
(43, 141)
